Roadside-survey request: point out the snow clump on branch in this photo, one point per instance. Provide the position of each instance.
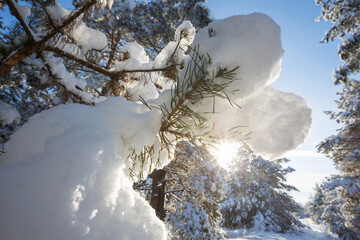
(7, 114)
(278, 121)
(70, 179)
(87, 38)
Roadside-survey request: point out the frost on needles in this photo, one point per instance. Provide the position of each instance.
(65, 173)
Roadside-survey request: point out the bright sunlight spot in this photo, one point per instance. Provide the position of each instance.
(225, 152)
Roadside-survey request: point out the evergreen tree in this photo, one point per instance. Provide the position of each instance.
(257, 195)
(194, 190)
(31, 86)
(332, 206)
(344, 147)
(344, 14)
(193, 186)
(315, 207)
(341, 204)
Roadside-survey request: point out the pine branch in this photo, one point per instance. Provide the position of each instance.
(72, 92)
(81, 61)
(38, 46)
(14, 11)
(116, 75)
(179, 119)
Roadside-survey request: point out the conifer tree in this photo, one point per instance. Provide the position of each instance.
(31, 87)
(194, 189)
(257, 195)
(341, 204)
(332, 206)
(315, 207)
(344, 14)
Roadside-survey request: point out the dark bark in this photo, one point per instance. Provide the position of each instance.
(158, 192)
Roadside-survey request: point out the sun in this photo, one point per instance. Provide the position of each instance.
(225, 152)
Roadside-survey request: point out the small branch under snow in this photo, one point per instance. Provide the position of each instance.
(38, 46)
(84, 62)
(14, 11)
(71, 84)
(100, 69)
(167, 68)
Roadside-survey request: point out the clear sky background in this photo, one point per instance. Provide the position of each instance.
(306, 71)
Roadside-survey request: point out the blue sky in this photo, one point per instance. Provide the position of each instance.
(306, 71)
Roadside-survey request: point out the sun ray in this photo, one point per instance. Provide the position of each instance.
(225, 152)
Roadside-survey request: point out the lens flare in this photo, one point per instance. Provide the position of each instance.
(225, 152)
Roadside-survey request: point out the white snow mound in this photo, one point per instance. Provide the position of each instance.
(281, 121)
(70, 181)
(251, 42)
(7, 114)
(87, 38)
(278, 121)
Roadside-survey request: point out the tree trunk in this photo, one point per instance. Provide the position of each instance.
(158, 192)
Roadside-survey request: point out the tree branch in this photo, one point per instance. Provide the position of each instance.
(102, 70)
(14, 11)
(79, 60)
(119, 73)
(38, 46)
(74, 93)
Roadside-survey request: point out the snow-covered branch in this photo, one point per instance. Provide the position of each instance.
(14, 9)
(38, 46)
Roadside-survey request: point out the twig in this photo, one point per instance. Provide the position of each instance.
(15, 12)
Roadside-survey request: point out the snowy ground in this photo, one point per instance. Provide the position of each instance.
(314, 232)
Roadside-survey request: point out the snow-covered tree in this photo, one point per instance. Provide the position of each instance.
(344, 14)
(31, 88)
(24, 88)
(315, 207)
(341, 205)
(333, 205)
(8, 119)
(151, 24)
(344, 147)
(257, 195)
(71, 179)
(194, 191)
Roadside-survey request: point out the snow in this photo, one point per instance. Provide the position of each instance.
(163, 58)
(313, 232)
(185, 33)
(144, 89)
(133, 57)
(278, 121)
(71, 180)
(174, 51)
(7, 114)
(135, 51)
(106, 3)
(254, 45)
(24, 11)
(282, 121)
(71, 83)
(86, 37)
